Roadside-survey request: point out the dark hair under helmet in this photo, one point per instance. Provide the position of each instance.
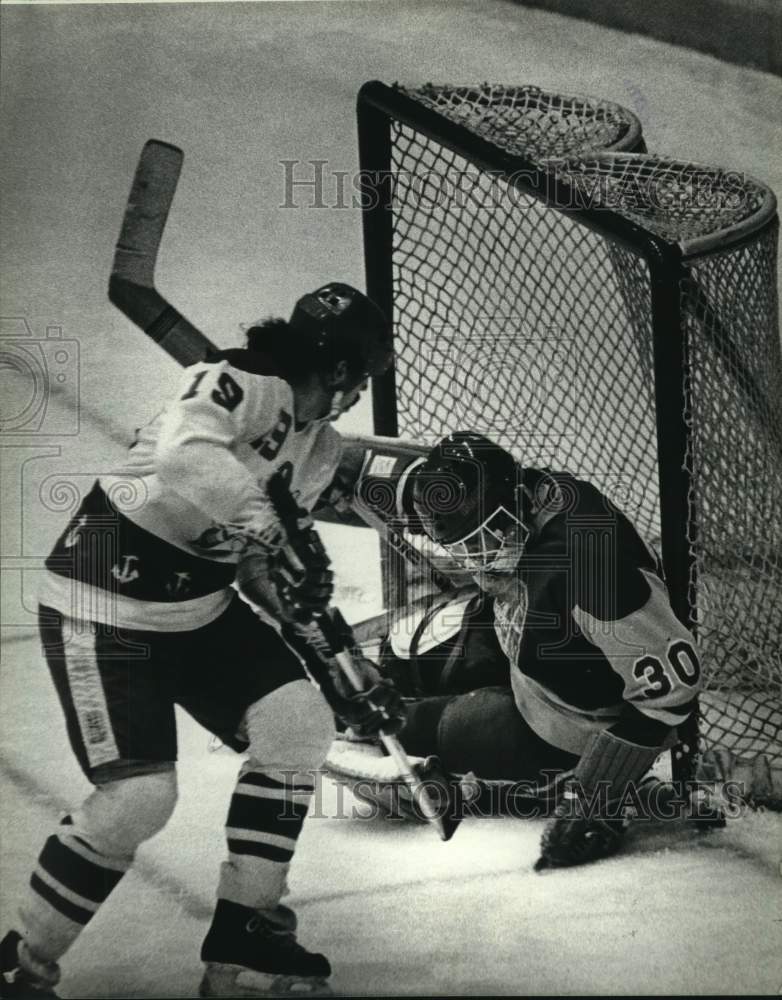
(342, 324)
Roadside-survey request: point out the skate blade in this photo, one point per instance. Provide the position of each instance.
(236, 981)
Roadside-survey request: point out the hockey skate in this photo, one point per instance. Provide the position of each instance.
(252, 953)
(21, 973)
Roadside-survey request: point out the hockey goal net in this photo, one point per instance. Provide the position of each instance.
(599, 310)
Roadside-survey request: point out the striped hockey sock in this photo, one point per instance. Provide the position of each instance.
(68, 885)
(265, 818)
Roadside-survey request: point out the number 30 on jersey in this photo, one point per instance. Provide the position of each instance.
(661, 677)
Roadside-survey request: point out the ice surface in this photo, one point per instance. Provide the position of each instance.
(394, 908)
(241, 88)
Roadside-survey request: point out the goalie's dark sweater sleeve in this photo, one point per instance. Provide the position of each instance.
(599, 629)
(621, 605)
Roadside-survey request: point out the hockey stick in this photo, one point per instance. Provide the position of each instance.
(132, 282)
(132, 289)
(443, 816)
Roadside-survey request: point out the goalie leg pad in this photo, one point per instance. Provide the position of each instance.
(612, 762)
(371, 776)
(376, 782)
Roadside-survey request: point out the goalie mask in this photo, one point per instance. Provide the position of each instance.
(468, 496)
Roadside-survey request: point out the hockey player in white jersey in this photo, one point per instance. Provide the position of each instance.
(138, 614)
(599, 672)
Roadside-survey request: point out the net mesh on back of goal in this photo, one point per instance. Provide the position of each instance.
(531, 122)
(518, 321)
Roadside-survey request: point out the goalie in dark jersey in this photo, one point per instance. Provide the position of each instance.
(581, 672)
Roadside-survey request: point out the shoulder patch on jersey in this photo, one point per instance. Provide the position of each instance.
(253, 362)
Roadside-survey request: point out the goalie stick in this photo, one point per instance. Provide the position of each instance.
(443, 815)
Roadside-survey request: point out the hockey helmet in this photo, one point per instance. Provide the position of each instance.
(467, 495)
(343, 324)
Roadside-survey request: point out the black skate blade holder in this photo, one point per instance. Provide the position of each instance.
(443, 813)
